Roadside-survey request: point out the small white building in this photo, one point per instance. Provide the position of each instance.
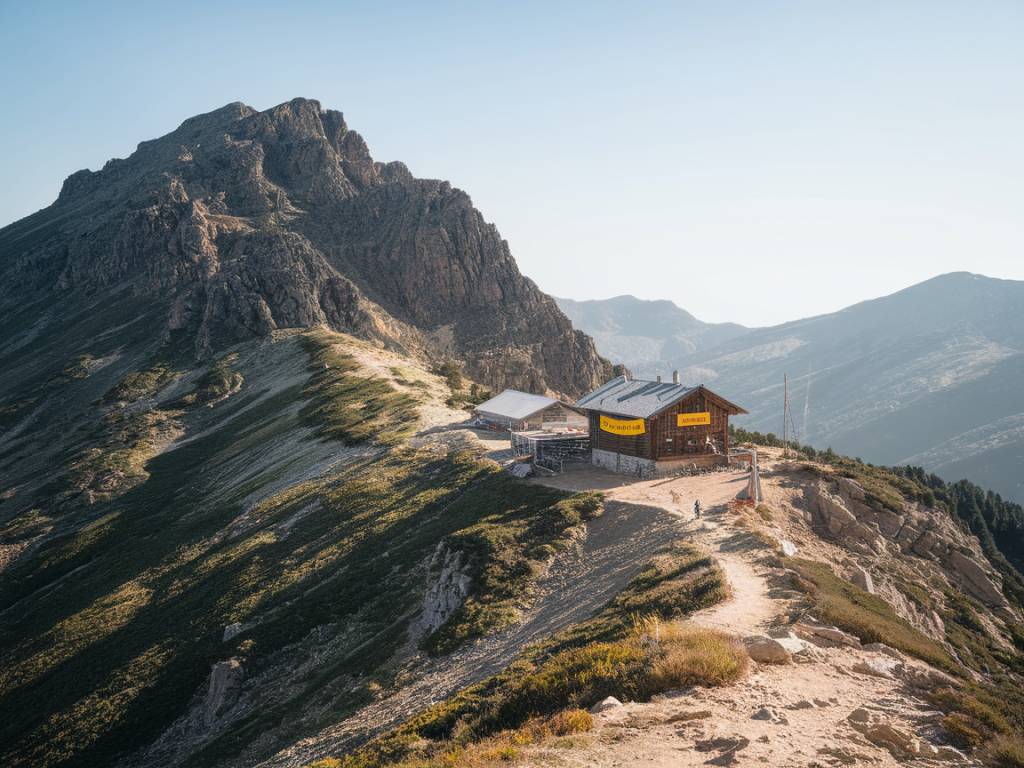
(515, 411)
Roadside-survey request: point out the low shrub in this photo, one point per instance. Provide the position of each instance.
(1005, 752)
(698, 657)
(570, 721)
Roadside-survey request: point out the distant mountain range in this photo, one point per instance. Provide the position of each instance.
(643, 334)
(932, 375)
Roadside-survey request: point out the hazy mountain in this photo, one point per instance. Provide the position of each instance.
(930, 375)
(644, 334)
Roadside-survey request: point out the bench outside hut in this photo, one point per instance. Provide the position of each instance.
(650, 428)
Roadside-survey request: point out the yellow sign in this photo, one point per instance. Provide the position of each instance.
(622, 426)
(692, 419)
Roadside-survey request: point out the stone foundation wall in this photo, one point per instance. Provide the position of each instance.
(623, 464)
(638, 467)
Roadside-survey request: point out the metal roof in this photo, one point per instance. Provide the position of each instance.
(640, 399)
(513, 404)
(633, 397)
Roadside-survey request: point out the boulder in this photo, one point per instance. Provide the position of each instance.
(821, 633)
(926, 678)
(861, 578)
(973, 578)
(609, 702)
(767, 650)
(231, 631)
(879, 667)
(883, 648)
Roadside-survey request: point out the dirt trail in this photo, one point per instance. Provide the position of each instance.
(780, 715)
(750, 609)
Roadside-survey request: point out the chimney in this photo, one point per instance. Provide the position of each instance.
(675, 377)
(659, 378)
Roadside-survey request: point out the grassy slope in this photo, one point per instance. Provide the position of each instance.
(107, 632)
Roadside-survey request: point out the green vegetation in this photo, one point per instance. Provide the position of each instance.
(140, 384)
(116, 460)
(973, 714)
(460, 397)
(505, 551)
(1005, 752)
(155, 582)
(863, 614)
(626, 650)
(349, 407)
(219, 381)
(451, 373)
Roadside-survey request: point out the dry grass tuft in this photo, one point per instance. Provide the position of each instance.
(694, 656)
(570, 721)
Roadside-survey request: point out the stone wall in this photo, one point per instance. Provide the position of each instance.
(623, 463)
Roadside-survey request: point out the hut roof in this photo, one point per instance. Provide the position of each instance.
(642, 399)
(513, 404)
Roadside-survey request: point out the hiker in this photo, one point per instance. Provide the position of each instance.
(696, 509)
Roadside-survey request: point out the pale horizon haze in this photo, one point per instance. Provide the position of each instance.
(751, 162)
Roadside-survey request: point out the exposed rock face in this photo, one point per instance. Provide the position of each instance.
(447, 587)
(225, 684)
(840, 507)
(241, 222)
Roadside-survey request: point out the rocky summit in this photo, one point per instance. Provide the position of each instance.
(241, 222)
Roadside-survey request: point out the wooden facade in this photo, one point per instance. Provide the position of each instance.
(664, 441)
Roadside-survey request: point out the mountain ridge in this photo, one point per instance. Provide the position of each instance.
(242, 221)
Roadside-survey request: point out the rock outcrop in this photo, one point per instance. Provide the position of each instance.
(448, 584)
(242, 222)
(841, 507)
(225, 683)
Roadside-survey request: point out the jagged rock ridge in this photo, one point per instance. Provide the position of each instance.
(241, 222)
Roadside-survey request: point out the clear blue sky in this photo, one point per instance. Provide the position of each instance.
(752, 161)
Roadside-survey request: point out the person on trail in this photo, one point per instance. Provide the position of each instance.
(696, 509)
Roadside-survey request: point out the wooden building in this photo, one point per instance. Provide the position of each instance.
(514, 411)
(650, 427)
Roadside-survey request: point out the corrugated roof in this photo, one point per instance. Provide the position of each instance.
(642, 399)
(513, 404)
(634, 397)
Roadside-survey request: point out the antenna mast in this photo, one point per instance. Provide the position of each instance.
(785, 416)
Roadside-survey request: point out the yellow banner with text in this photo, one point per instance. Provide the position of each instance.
(693, 419)
(622, 426)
